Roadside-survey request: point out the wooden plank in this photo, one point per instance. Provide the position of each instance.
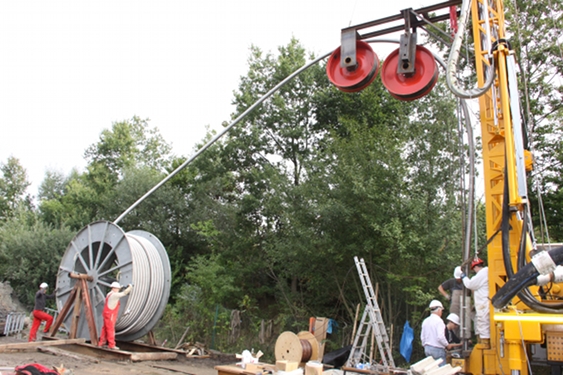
(321, 326)
(136, 357)
(182, 338)
(134, 346)
(76, 313)
(34, 345)
(64, 353)
(89, 313)
(97, 352)
(232, 369)
(64, 312)
(152, 340)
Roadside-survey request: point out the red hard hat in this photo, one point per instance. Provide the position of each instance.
(477, 262)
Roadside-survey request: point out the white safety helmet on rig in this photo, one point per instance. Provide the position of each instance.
(43, 286)
(115, 284)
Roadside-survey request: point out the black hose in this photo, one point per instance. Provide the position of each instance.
(526, 277)
(523, 278)
(505, 229)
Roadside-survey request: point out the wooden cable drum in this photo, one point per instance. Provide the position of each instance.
(298, 348)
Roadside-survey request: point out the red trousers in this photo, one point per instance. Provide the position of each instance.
(38, 317)
(108, 329)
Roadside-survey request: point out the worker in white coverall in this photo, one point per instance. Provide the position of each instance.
(479, 284)
(111, 310)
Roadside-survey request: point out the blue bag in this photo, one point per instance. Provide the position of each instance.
(406, 342)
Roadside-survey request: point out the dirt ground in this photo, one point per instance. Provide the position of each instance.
(85, 365)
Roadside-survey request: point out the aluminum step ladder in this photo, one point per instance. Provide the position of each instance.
(372, 321)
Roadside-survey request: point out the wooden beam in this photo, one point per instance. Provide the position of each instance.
(75, 313)
(89, 313)
(64, 312)
(181, 341)
(80, 276)
(34, 345)
(97, 352)
(152, 340)
(136, 357)
(64, 353)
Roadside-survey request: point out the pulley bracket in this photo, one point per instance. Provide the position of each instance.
(407, 48)
(407, 20)
(348, 49)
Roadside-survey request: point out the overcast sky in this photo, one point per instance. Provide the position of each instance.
(70, 68)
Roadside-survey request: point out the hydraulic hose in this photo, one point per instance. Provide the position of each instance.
(518, 286)
(524, 278)
(451, 70)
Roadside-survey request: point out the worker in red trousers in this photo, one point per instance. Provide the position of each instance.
(111, 310)
(39, 314)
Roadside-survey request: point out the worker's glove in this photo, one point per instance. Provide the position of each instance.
(448, 297)
(463, 275)
(131, 285)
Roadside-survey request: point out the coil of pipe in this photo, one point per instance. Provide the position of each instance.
(105, 252)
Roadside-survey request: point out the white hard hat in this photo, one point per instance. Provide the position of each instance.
(453, 318)
(115, 284)
(43, 286)
(457, 272)
(435, 304)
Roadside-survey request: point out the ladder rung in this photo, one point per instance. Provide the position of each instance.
(371, 319)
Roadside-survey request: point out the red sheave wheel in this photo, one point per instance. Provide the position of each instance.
(357, 79)
(409, 87)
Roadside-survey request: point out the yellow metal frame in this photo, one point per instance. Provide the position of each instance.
(510, 331)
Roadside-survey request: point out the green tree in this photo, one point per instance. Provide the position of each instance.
(536, 27)
(391, 196)
(316, 176)
(128, 145)
(13, 187)
(30, 253)
(270, 154)
(53, 186)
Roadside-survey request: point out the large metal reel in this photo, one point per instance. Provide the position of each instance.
(103, 251)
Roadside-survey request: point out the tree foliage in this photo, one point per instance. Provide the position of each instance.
(536, 27)
(82, 198)
(13, 186)
(317, 176)
(30, 253)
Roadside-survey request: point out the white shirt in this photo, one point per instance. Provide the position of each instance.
(479, 284)
(113, 297)
(433, 332)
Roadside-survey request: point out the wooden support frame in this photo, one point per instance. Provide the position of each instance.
(79, 296)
